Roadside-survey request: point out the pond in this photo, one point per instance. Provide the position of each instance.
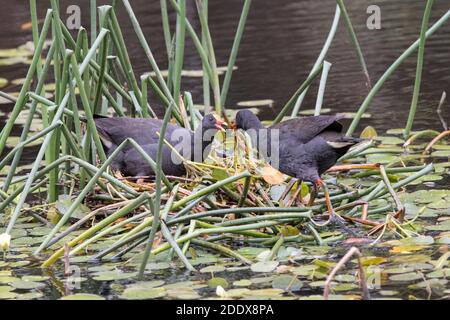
(280, 45)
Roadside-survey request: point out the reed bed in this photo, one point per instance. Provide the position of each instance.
(226, 198)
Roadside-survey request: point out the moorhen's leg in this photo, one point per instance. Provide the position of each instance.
(320, 182)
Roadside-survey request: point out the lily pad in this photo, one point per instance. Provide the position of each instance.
(264, 266)
(406, 277)
(3, 82)
(82, 296)
(212, 269)
(27, 285)
(215, 282)
(139, 293)
(287, 283)
(113, 275)
(255, 103)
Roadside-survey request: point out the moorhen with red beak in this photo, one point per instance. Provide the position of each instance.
(307, 146)
(192, 145)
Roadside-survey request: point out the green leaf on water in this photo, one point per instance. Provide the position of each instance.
(64, 203)
(140, 293)
(215, 282)
(406, 277)
(3, 82)
(310, 112)
(264, 266)
(368, 133)
(183, 294)
(212, 269)
(287, 283)
(255, 103)
(113, 275)
(242, 283)
(27, 285)
(82, 296)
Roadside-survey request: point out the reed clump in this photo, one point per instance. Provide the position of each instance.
(236, 198)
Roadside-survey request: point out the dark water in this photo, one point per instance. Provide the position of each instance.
(281, 43)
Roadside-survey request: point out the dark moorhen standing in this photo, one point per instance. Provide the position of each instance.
(307, 146)
(132, 164)
(113, 131)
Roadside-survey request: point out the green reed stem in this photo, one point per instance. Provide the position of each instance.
(212, 57)
(99, 226)
(322, 86)
(354, 41)
(419, 69)
(157, 200)
(299, 91)
(147, 50)
(234, 50)
(179, 48)
(26, 85)
(209, 189)
(166, 26)
(320, 58)
(377, 87)
(221, 249)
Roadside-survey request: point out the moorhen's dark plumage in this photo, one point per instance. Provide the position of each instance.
(113, 131)
(307, 146)
(131, 163)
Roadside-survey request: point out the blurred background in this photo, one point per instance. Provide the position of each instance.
(280, 45)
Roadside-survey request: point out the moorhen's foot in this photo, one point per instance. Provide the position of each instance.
(337, 220)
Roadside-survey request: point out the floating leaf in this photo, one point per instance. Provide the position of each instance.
(65, 202)
(255, 103)
(113, 275)
(140, 293)
(271, 175)
(310, 112)
(82, 296)
(27, 285)
(264, 266)
(403, 277)
(287, 283)
(242, 283)
(212, 269)
(214, 282)
(183, 294)
(3, 82)
(369, 133)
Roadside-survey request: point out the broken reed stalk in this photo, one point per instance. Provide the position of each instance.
(362, 278)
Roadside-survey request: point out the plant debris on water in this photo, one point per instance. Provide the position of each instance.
(240, 228)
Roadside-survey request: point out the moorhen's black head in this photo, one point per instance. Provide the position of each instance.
(211, 122)
(245, 119)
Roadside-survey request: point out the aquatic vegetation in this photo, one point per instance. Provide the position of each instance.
(248, 230)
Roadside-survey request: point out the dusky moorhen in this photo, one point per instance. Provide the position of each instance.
(131, 163)
(113, 131)
(307, 146)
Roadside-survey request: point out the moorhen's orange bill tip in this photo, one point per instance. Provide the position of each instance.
(220, 124)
